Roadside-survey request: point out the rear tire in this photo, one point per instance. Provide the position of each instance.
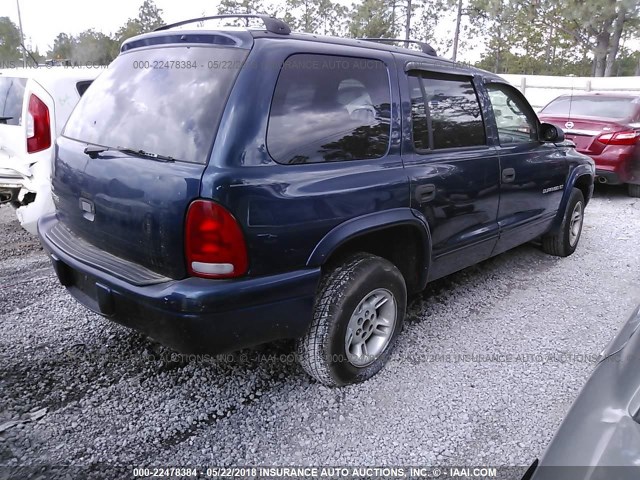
(564, 242)
(634, 190)
(359, 311)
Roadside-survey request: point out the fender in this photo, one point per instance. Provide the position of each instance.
(371, 222)
(576, 173)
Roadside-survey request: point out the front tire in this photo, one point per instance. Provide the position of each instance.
(634, 190)
(358, 314)
(565, 241)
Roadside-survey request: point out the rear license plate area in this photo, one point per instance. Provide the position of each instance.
(85, 284)
(582, 142)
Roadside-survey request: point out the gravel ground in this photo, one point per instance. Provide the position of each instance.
(113, 397)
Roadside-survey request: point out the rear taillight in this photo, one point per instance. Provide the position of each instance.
(38, 126)
(627, 137)
(214, 243)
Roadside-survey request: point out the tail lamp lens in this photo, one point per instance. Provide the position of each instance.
(214, 243)
(38, 126)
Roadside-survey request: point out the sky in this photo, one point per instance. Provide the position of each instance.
(43, 20)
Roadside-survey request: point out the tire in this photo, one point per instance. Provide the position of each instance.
(634, 190)
(564, 242)
(358, 283)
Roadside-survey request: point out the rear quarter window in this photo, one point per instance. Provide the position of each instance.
(329, 108)
(11, 98)
(82, 86)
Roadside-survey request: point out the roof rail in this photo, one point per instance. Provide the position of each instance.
(271, 24)
(424, 46)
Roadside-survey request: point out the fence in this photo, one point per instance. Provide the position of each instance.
(541, 89)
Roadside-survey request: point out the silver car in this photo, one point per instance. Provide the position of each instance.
(600, 436)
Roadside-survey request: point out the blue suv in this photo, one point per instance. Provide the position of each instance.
(218, 189)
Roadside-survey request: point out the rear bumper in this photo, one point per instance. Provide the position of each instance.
(608, 176)
(193, 315)
(27, 186)
(618, 165)
(10, 185)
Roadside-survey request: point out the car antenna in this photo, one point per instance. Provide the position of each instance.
(571, 95)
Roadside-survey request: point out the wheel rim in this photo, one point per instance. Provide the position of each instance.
(370, 327)
(575, 226)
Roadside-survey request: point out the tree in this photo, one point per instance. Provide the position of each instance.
(371, 18)
(554, 37)
(9, 41)
(627, 23)
(322, 17)
(456, 35)
(307, 20)
(332, 18)
(149, 18)
(63, 47)
(245, 7)
(34, 53)
(627, 63)
(430, 15)
(595, 26)
(496, 20)
(93, 47)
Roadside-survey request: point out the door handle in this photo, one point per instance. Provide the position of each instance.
(425, 193)
(508, 175)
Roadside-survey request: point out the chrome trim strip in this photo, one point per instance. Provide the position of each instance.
(576, 131)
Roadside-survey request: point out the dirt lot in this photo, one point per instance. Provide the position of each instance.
(489, 362)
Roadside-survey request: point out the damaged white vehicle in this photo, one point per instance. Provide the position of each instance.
(34, 106)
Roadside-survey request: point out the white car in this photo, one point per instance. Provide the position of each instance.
(34, 106)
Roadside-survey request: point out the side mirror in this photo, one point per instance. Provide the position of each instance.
(549, 133)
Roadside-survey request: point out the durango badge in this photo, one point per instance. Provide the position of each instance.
(552, 189)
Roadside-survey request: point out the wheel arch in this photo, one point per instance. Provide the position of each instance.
(581, 178)
(377, 233)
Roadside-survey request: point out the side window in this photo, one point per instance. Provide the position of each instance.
(82, 86)
(328, 108)
(451, 106)
(514, 119)
(418, 115)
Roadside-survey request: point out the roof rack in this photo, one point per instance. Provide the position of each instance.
(272, 24)
(424, 46)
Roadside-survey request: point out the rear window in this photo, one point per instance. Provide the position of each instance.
(165, 101)
(11, 98)
(329, 108)
(595, 106)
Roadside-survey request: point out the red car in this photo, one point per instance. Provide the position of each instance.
(605, 126)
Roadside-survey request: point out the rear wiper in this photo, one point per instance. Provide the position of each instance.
(4, 120)
(94, 150)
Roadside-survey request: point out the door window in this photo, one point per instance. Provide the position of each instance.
(514, 118)
(449, 109)
(418, 115)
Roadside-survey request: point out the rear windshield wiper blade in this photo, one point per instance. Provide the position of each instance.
(94, 150)
(4, 120)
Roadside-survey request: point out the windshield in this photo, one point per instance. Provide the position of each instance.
(594, 106)
(165, 101)
(11, 97)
